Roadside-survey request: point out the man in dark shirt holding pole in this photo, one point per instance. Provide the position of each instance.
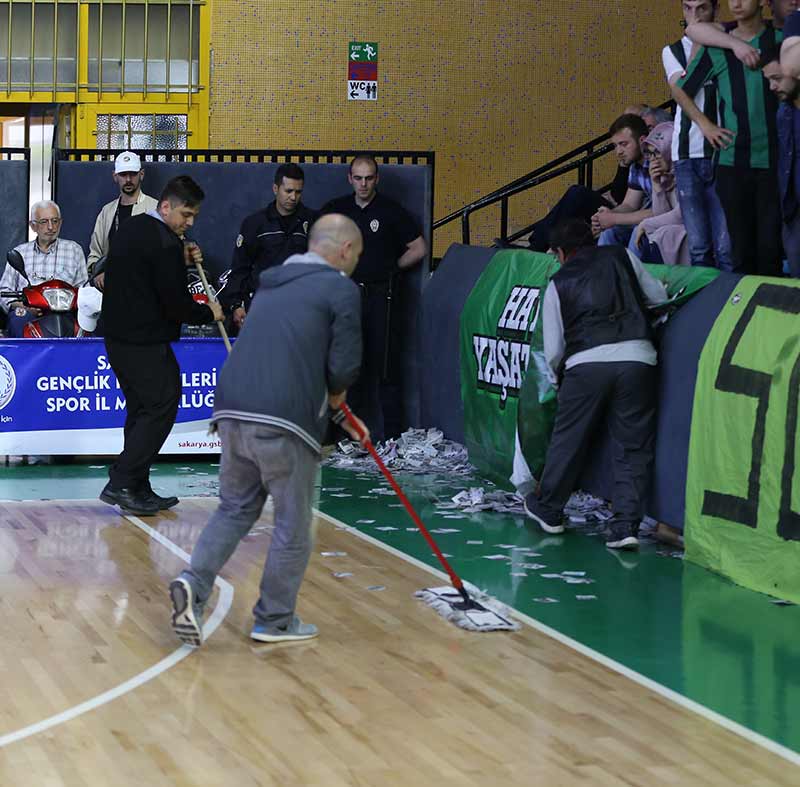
(392, 243)
(145, 301)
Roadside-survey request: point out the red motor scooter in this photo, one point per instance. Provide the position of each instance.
(56, 299)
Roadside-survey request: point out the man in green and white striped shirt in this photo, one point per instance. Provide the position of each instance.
(745, 139)
(695, 171)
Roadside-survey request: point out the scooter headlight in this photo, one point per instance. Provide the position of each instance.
(58, 300)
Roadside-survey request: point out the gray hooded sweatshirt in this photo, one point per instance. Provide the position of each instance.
(301, 341)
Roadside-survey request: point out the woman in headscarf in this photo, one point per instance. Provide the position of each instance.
(662, 238)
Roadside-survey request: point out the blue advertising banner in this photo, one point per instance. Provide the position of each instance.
(61, 397)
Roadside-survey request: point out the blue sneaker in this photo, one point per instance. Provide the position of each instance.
(187, 614)
(534, 511)
(293, 632)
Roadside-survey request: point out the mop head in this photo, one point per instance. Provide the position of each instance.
(486, 613)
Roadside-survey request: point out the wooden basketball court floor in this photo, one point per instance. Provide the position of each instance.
(96, 690)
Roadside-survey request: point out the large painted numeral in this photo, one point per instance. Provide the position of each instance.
(748, 382)
(789, 521)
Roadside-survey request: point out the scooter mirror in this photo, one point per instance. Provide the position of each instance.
(14, 259)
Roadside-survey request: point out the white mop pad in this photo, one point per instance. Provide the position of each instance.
(487, 615)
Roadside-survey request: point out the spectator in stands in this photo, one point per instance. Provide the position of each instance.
(790, 48)
(747, 182)
(46, 257)
(662, 238)
(267, 238)
(128, 175)
(787, 89)
(616, 225)
(781, 11)
(581, 201)
(652, 116)
(598, 344)
(708, 239)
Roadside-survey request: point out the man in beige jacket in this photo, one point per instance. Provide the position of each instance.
(128, 175)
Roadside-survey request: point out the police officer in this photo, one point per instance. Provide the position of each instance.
(267, 238)
(598, 343)
(392, 243)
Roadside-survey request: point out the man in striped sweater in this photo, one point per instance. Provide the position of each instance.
(746, 138)
(706, 228)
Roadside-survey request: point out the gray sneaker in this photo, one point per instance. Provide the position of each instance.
(187, 614)
(293, 632)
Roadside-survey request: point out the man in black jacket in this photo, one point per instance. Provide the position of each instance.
(272, 406)
(267, 238)
(598, 344)
(145, 301)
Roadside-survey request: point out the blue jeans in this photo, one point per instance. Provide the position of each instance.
(703, 216)
(260, 460)
(791, 244)
(618, 235)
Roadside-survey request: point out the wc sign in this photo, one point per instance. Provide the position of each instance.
(362, 71)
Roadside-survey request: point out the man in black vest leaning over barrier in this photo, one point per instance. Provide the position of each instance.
(598, 343)
(145, 301)
(392, 243)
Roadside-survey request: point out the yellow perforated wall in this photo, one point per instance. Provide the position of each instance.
(494, 87)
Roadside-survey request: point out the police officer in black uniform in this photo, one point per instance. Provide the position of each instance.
(392, 243)
(267, 238)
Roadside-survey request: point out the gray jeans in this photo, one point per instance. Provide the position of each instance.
(257, 461)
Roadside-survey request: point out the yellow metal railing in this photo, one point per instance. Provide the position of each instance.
(95, 87)
(93, 34)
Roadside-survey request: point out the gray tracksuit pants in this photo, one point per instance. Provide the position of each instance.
(257, 461)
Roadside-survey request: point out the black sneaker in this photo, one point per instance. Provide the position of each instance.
(533, 510)
(621, 537)
(130, 501)
(186, 613)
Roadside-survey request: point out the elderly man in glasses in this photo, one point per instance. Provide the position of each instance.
(46, 257)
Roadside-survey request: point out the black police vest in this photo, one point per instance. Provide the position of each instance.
(601, 300)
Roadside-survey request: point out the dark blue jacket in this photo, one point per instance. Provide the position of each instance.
(301, 341)
(786, 160)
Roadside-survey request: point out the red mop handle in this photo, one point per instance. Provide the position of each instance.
(454, 578)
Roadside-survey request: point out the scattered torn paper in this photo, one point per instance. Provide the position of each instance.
(415, 451)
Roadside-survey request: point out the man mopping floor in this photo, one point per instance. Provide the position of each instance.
(598, 342)
(297, 353)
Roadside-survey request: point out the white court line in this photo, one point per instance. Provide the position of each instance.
(636, 677)
(222, 608)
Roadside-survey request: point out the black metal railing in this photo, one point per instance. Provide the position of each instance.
(9, 154)
(425, 158)
(580, 159)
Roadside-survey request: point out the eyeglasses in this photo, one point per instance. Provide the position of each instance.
(44, 222)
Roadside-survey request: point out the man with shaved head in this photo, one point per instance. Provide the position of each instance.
(298, 353)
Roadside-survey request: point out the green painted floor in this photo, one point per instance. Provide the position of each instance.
(728, 648)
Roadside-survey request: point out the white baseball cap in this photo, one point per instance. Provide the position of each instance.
(90, 301)
(127, 162)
